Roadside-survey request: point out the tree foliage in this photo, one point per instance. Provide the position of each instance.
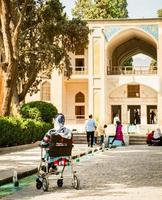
(153, 62)
(37, 37)
(159, 13)
(128, 62)
(100, 9)
(39, 110)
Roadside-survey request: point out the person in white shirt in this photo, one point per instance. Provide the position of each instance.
(90, 127)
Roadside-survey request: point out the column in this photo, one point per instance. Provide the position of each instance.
(57, 90)
(124, 112)
(159, 65)
(103, 74)
(143, 115)
(90, 76)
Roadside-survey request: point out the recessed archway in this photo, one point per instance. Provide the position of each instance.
(128, 43)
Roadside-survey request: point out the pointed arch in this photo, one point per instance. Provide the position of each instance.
(128, 43)
(79, 98)
(80, 105)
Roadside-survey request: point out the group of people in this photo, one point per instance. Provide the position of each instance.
(93, 130)
(137, 117)
(91, 127)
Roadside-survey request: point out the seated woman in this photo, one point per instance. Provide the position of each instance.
(58, 130)
(157, 137)
(150, 138)
(154, 138)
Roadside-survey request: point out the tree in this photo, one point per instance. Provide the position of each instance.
(100, 9)
(128, 62)
(37, 37)
(82, 9)
(153, 64)
(159, 13)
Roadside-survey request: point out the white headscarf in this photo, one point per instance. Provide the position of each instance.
(59, 127)
(157, 133)
(59, 121)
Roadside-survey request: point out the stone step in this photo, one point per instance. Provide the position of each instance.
(82, 139)
(133, 139)
(137, 139)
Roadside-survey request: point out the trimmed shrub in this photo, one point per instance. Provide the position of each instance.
(39, 110)
(18, 131)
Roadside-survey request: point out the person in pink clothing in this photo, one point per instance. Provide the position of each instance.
(119, 133)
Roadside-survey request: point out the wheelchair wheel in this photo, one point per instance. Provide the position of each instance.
(75, 182)
(38, 185)
(60, 182)
(45, 185)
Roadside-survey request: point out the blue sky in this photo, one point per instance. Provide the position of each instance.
(136, 8)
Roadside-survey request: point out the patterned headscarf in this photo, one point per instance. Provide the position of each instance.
(59, 121)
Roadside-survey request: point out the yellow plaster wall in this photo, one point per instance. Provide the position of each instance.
(72, 88)
(97, 101)
(145, 92)
(96, 56)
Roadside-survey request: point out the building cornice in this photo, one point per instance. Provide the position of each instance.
(124, 20)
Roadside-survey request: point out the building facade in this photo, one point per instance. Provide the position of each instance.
(101, 85)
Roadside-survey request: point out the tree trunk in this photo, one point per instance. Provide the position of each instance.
(9, 83)
(15, 109)
(10, 71)
(27, 85)
(10, 42)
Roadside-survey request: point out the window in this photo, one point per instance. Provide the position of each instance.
(133, 91)
(79, 64)
(79, 112)
(45, 91)
(79, 97)
(79, 51)
(80, 105)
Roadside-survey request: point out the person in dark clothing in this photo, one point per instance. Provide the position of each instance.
(136, 117)
(152, 117)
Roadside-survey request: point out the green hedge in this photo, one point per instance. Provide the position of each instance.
(39, 110)
(18, 131)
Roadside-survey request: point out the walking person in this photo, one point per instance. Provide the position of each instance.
(95, 136)
(101, 132)
(90, 127)
(118, 134)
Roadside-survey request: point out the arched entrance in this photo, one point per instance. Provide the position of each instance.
(126, 44)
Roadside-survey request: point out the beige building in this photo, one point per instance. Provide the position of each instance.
(102, 86)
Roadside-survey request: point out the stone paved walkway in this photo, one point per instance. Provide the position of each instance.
(28, 160)
(123, 173)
